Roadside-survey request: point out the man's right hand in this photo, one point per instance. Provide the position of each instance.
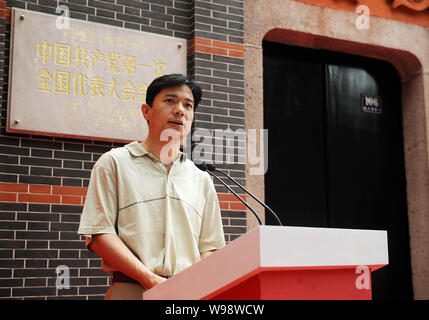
(113, 250)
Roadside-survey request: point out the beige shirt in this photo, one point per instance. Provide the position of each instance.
(166, 219)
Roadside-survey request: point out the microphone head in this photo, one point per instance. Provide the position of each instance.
(210, 167)
(205, 166)
(202, 166)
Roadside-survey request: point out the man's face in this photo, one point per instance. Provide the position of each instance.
(172, 108)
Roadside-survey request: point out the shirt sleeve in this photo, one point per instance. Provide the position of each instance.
(100, 211)
(211, 235)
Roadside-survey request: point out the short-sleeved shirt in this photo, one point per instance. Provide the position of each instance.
(165, 219)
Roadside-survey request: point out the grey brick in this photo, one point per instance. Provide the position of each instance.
(11, 282)
(36, 235)
(34, 253)
(105, 21)
(157, 8)
(72, 155)
(133, 26)
(178, 12)
(13, 244)
(14, 169)
(35, 7)
(71, 173)
(168, 3)
(202, 27)
(185, 5)
(34, 244)
(157, 23)
(201, 12)
(67, 244)
(12, 225)
(38, 216)
(15, 151)
(105, 5)
(11, 263)
(11, 206)
(72, 164)
(228, 17)
(228, 104)
(212, 80)
(93, 290)
(9, 141)
(228, 75)
(134, 3)
(66, 208)
(49, 3)
(158, 16)
(42, 291)
(41, 162)
(236, 83)
(39, 207)
(8, 178)
(41, 171)
(227, 31)
(211, 6)
(64, 226)
(73, 147)
(77, 7)
(41, 153)
(228, 120)
(131, 18)
(156, 30)
(132, 11)
(211, 110)
(72, 182)
(9, 159)
(38, 226)
(236, 4)
(178, 27)
(105, 13)
(35, 282)
(39, 180)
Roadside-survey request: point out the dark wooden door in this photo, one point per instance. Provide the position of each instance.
(335, 150)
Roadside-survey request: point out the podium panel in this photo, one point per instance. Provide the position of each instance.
(272, 262)
(295, 284)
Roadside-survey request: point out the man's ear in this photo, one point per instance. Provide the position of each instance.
(145, 110)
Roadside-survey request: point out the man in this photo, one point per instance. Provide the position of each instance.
(149, 212)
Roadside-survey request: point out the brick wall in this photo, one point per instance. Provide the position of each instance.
(43, 180)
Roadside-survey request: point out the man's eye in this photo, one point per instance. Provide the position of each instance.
(169, 101)
(189, 106)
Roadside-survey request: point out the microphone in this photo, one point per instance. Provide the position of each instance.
(209, 167)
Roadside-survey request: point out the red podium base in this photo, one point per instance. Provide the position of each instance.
(286, 284)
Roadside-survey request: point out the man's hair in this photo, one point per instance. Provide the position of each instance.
(173, 80)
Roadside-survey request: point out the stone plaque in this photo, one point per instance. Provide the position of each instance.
(79, 79)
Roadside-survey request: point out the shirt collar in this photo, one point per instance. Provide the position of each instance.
(137, 150)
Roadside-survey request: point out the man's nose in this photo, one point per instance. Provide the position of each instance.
(179, 109)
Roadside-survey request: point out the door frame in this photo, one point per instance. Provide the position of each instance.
(301, 24)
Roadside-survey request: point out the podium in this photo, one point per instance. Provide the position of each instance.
(283, 263)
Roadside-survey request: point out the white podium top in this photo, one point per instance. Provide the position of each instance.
(275, 247)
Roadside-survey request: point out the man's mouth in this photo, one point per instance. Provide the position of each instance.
(176, 122)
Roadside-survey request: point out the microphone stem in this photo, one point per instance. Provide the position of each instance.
(247, 205)
(242, 188)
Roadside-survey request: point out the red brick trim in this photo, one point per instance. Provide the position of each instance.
(5, 12)
(228, 201)
(215, 47)
(19, 192)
